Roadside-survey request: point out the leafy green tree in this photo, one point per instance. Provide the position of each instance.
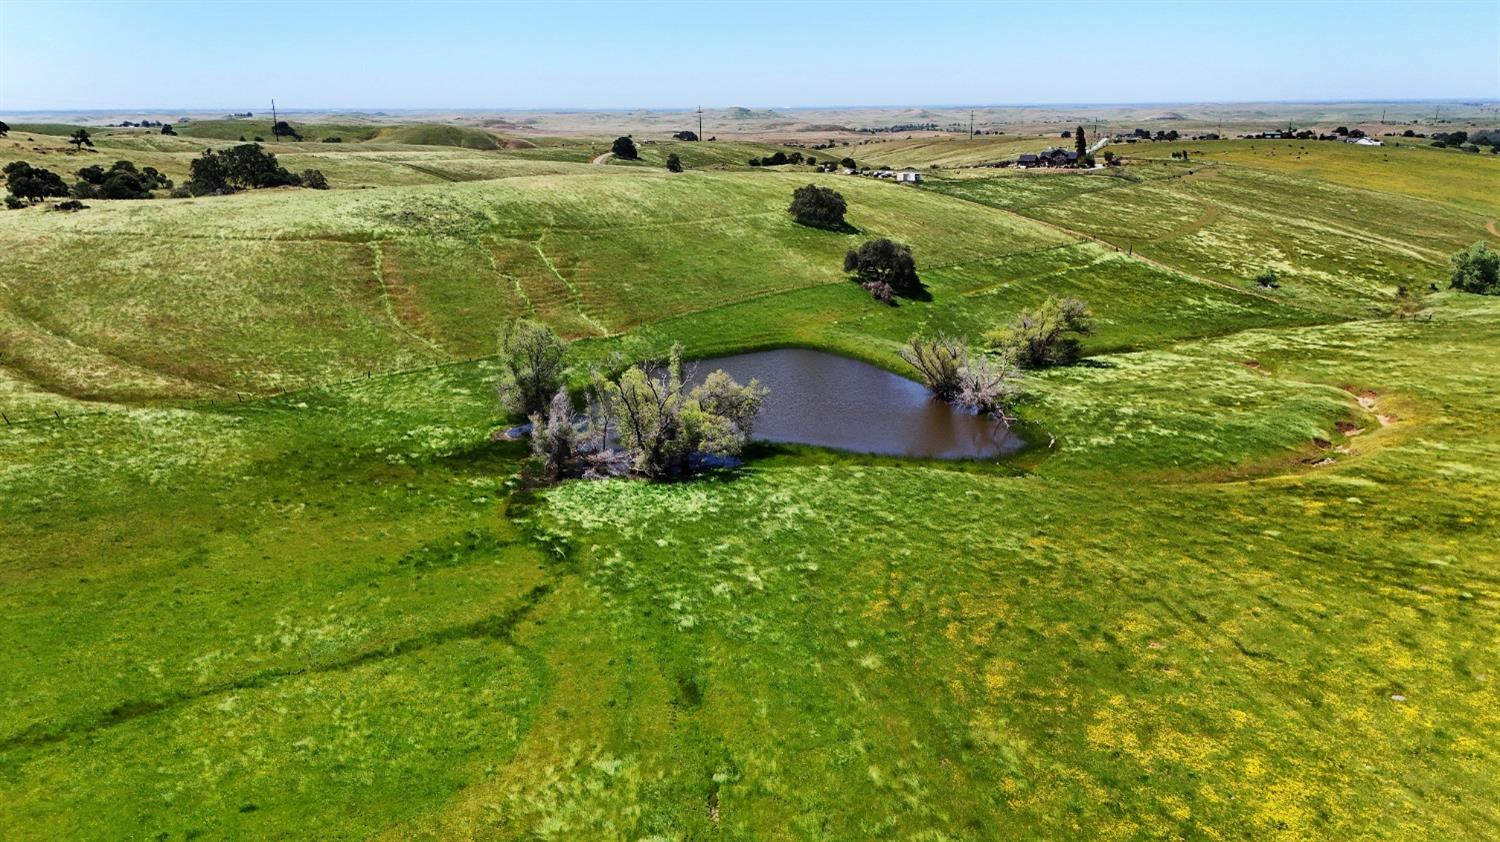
(848, 164)
(1081, 144)
(237, 168)
(674, 163)
(1047, 335)
(314, 179)
(818, 207)
(80, 138)
(166, 128)
(4, 129)
(33, 183)
(886, 262)
(124, 184)
(92, 174)
(1268, 279)
(624, 148)
(685, 135)
(281, 129)
(1475, 269)
(531, 363)
(662, 424)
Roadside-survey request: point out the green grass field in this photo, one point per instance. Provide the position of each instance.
(265, 575)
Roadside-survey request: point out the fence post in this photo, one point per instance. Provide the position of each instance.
(6, 417)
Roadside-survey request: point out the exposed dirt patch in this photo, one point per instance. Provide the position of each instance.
(1348, 428)
(517, 143)
(1386, 420)
(1322, 444)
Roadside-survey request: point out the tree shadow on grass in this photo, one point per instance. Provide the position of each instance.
(839, 228)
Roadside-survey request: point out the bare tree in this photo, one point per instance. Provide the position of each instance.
(553, 437)
(983, 383)
(939, 362)
(989, 385)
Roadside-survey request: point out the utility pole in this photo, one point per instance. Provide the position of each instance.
(273, 120)
(971, 124)
(700, 122)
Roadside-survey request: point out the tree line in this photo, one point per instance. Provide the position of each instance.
(215, 172)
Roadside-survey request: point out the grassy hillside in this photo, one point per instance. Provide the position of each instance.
(264, 574)
(249, 127)
(461, 136)
(1409, 167)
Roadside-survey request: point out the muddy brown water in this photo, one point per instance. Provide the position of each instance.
(831, 401)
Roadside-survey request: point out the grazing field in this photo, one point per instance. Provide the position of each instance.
(264, 573)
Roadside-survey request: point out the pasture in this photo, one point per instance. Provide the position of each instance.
(265, 573)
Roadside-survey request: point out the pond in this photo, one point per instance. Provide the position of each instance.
(832, 401)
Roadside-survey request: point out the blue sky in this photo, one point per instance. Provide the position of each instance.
(76, 55)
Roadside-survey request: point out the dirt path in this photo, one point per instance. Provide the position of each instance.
(601, 159)
(1489, 225)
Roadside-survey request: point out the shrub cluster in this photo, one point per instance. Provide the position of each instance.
(120, 181)
(1047, 335)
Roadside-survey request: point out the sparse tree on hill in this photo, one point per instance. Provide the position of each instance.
(531, 361)
(1475, 269)
(624, 148)
(282, 128)
(314, 179)
(33, 183)
(818, 207)
(166, 128)
(685, 135)
(1267, 279)
(848, 164)
(80, 138)
(4, 129)
(674, 163)
(1046, 336)
(887, 262)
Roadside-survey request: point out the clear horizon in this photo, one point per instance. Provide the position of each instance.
(594, 56)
